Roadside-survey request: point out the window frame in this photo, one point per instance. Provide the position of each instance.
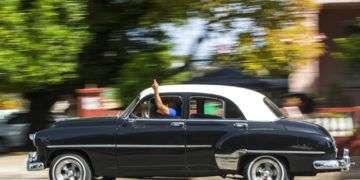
(273, 107)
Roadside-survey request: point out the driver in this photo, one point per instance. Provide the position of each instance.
(161, 107)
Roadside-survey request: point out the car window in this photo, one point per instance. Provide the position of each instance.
(232, 111)
(18, 119)
(206, 108)
(147, 108)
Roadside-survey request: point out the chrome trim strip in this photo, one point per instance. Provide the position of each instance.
(216, 120)
(175, 146)
(127, 146)
(198, 146)
(229, 161)
(83, 146)
(148, 146)
(157, 120)
(284, 152)
(209, 121)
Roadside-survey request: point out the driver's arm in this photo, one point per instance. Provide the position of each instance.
(161, 107)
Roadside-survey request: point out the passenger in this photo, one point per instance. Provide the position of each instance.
(163, 109)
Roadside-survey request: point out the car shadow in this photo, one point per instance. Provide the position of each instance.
(228, 177)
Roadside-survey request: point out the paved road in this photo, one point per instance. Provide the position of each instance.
(12, 167)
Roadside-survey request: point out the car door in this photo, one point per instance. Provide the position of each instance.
(211, 120)
(149, 143)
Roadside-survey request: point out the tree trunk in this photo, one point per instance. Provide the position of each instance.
(39, 110)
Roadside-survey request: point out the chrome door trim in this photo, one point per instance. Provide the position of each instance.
(127, 146)
(83, 146)
(199, 146)
(156, 120)
(216, 120)
(284, 152)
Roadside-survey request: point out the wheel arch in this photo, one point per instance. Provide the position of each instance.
(244, 160)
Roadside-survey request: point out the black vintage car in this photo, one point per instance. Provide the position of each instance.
(221, 130)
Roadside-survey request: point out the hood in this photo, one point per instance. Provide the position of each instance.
(304, 127)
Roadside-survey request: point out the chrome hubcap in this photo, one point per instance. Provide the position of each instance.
(266, 169)
(69, 169)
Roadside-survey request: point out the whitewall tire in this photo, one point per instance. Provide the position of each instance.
(70, 167)
(266, 168)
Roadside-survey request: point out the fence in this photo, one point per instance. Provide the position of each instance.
(345, 129)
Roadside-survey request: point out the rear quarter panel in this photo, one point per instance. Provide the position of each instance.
(273, 138)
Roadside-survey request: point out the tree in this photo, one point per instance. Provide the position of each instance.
(275, 39)
(40, 42)
(133, 49)
(130, 49)
(348, 49)
(279, 52)
(46, 50)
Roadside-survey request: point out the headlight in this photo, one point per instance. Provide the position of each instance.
(32, 136)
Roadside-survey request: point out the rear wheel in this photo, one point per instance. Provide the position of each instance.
(266, 168)
(70, 167)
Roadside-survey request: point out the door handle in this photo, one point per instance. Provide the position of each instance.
(240, 125)
(131, 121)
(177, 124)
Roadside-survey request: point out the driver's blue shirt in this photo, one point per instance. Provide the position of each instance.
(172, 113)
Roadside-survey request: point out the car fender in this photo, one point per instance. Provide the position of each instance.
(229, 150)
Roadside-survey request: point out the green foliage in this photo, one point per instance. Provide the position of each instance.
(280, 51)
(39, 42)
(279, 40)
(136, 64)
(143, 67)
(348, 49)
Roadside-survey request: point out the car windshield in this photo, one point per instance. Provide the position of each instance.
(130, 107)
(273, 107)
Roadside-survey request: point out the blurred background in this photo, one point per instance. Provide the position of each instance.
(61, 60)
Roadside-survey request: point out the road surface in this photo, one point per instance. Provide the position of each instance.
(12, 167)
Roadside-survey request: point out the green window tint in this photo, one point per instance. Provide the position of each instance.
(213, 108)
(206, 108)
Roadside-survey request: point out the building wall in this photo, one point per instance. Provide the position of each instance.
(334, 22)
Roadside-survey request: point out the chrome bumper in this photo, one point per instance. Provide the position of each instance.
(33, 163)
(342, 164)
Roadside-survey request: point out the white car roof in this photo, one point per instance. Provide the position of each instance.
(250, 102)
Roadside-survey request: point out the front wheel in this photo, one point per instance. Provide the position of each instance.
(266, 168)
(70, 167)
